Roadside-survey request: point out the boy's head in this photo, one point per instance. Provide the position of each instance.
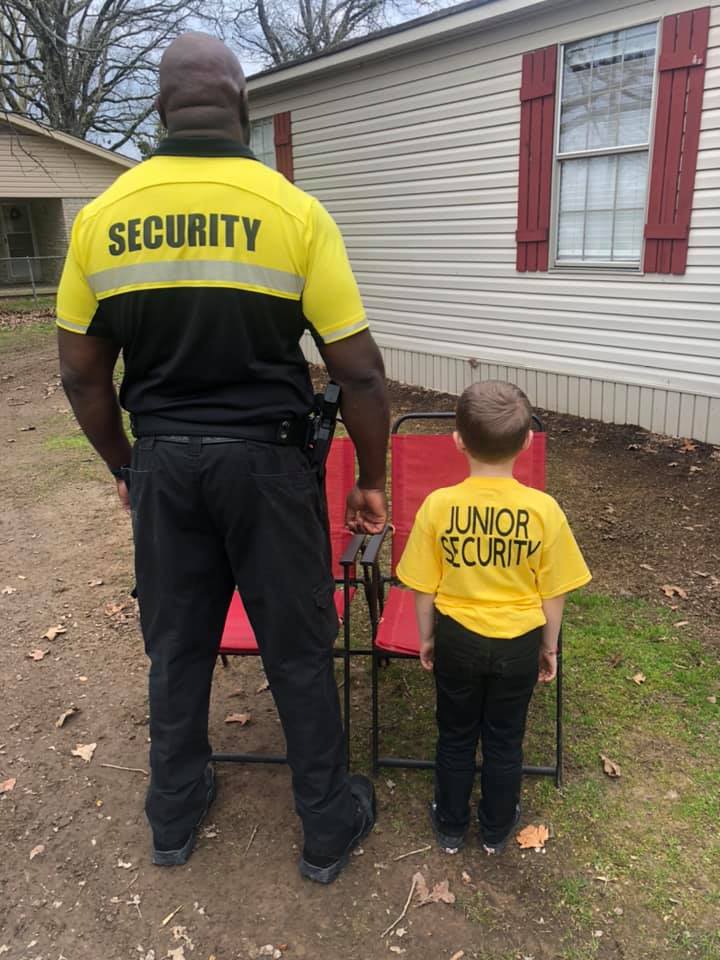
(493, 421)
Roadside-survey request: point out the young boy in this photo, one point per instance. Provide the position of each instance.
(490, 561)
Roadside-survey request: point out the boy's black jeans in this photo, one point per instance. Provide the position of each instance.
(483, 689)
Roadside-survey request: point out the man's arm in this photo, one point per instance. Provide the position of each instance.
(356, 365)
(86, 370)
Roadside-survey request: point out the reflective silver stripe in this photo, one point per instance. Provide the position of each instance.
(71, 325)
(346, 331)
(211, 271)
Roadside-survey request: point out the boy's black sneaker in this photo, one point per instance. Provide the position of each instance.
(448, 842)
(326, 869)
(163, 857)
(495, 849)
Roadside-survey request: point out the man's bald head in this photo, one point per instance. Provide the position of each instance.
(202, 88)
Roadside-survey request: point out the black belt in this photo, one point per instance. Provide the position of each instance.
(288, 433)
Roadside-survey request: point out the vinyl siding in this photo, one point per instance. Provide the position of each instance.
(416, 156)
(34, 165)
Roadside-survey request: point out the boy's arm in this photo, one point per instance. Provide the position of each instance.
(553, 610)
(425, 612)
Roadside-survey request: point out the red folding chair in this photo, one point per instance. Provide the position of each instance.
(420, 464)
(238, 636)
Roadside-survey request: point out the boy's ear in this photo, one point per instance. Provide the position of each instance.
(459, 442)
(528, 440)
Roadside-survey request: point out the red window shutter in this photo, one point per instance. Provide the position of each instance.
(282, 127)
(537, 126)
(677, 133)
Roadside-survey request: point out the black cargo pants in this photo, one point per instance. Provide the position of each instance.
(205, 518)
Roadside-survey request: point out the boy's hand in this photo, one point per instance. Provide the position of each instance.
(548, 665)
(427, 654)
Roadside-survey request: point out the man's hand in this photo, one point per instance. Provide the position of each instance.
(366, 511)
(548, 665)
(427, 654)
(124, 495)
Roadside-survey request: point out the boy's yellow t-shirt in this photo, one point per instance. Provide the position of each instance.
(491, 550)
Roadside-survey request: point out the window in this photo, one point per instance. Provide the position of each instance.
(603, 146)
(262, 141)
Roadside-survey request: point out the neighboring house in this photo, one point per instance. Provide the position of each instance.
(45, 178)
(528, 191)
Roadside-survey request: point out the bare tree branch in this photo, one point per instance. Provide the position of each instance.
(89, 67)
(284, 30)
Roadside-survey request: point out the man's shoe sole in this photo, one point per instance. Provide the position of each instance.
(328, 874)
(176, 858)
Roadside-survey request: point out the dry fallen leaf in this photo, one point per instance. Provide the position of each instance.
(54, 632)
(466, 878)
(458, 956)
(97, 582)
(36, 851)
(439, 893)
(125, 864)
(85, 751)
(66, 714)
(681, 623)
(113, 609)
(639, 678)
(242, 718)
(7, 591)
(712, 699)
(6, 786)
(688, 447)
(646, 566)
(532, 837)
(610, 767)
(616, 659)
(38, 654)
(671, 591)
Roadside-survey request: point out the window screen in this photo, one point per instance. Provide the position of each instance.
(262, 141)
(603, 146)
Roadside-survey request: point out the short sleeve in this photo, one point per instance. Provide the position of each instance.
(76, 302)
(420, 567)
(331, 299)
(562, 565)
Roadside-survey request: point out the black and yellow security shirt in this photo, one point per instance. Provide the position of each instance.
(206, 267)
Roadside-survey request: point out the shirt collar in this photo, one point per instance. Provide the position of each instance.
(202, 147)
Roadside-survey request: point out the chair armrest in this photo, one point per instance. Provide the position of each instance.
(372, 549)
(352, 550)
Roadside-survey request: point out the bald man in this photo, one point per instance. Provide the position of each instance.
(204, 268)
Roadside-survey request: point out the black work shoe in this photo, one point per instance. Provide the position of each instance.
(448, 842)
(326, 869)
(176, 858)
(494, 849)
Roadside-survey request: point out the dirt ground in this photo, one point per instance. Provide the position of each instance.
(75, 878)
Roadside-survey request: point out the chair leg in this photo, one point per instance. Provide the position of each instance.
(346, 664)
(224, 660)
(375, 715)
(559, 716)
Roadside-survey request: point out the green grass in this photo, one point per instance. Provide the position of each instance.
(27, 337)
(26, 304)
(652, 833)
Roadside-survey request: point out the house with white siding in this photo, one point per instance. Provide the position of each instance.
(45, 178)
(529, 190)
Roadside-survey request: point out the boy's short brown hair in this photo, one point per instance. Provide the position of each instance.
(493, 419)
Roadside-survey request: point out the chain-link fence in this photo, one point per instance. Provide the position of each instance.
(30, 276)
